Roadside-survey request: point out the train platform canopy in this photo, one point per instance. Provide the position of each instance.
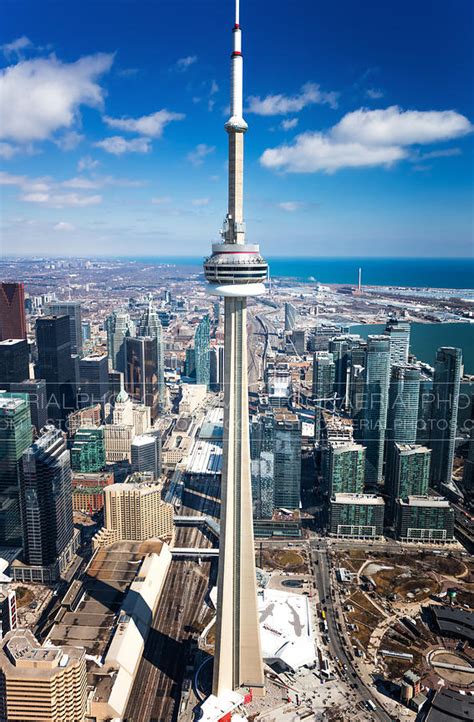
(285, 629)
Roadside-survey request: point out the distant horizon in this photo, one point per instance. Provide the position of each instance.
(268, 256)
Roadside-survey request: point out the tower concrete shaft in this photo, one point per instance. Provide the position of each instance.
(235, 270)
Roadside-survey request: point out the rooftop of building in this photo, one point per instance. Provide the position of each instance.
(413, 448)
(363, 499)
(9, 402)
(144, 440)
(93, 357)
(430, 501)
(448, 705)
(12, 341)
(205, 458)
(21, 654)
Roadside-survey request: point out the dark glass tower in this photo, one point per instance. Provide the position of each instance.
(14, 362)
(55, 365)
(447, 378)
(141, 371)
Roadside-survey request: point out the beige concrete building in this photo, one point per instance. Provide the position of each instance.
(41, 684)
(135, 512)
(118, 442)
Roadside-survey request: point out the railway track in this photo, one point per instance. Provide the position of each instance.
(156, 691)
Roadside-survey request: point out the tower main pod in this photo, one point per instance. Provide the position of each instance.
(235, 270)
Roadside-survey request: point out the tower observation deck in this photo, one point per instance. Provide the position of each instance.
(236, 270)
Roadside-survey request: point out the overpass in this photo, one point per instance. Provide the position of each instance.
(194, 552)
(208, 521)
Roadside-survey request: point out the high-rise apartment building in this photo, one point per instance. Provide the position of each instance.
(409, 474)
(356, 516)
(12, 311)
(402, 415)
(447, 378)
(119, 326)
(14, 362)
(324, 373)
(41, 684)
(88, 450)
(137, 512)
(340, 347)
(46, 504)
(279, 384)
(71, 309)
(399, 333)
(372, 417)
(15, 436)
(146, 454)
(287, 450)
(345, 468)
(55, 365)
(298, 340)
(468, 471)
(290, 316)
(262, 453)
(202, 348)
(425, 518)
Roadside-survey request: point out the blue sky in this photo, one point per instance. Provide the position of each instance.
(359, 142)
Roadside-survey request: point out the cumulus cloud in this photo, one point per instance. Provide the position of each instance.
(69, 140)
(64, 226)
(374, 93)
(289, 123)
(87, 163)
(310, 94)
(366, 138)
(442, 153)
(16, 46)
(184, 63)
(394, 126)
(41, 96)
(62, 200)
(290, 206)
(150, 125)
(196, 156)
(7, 150)
(117, 145)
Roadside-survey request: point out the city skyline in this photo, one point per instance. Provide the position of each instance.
(361, 129)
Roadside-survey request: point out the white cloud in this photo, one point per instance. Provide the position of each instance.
(366, 138)
(69, 140)
(7, 179)
(161, 201)
(443, 153)
(374, 93)
(64, 226)
(199, 202)
(40, 96)
(117, 145)
(61, 200)
(310, 94)
(290, 206)
(184, 63)
(16, 46)
(87, 163)
(82, 183)
(289, 123)
(196, 156)
(7, 150)
(394, 126)
(150, 125)
(313, 152)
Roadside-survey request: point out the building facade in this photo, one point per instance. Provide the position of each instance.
(12, 311)
(447, 378)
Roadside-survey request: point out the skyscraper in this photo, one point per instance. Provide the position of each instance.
(216, 368)
(290, 317)
(15, 436)
(402, 415)
(399, 333)
(146, 454)
(46, 503)
(118, 326)
(373, 415)
(36, 391)
(287, 449)
(202, 350)
(262, 452)
(71, 309)
(55, 365)
(236, 270)
(150, 325)
(409, 474)
(88, 450)
(324, 373)
(93, 380)
(12, 311)
(447, 378)
(14, 361)
(141, 377)
(345, 469)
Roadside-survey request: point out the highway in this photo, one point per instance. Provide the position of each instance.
(337, 645)
(156, 691)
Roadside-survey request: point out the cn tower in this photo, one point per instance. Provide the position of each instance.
(235, 270)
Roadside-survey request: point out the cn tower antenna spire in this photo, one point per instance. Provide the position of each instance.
(237, 7)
